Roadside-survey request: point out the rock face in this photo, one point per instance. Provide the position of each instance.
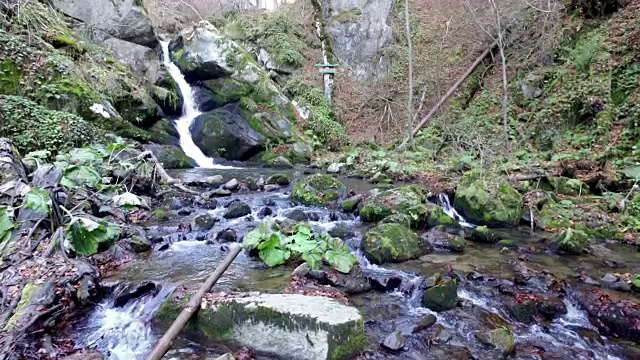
(488, 202)
(318, 189)
(123, 19)
(392, 243)
(141, 59)
(441, 297)
(358, 30)
(287, 326)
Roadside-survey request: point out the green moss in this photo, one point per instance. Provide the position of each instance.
(570, 241)
(25, 300)
(10, 76)
(441, 297)
(457, 244)
(160, 214)
(347, 16)
(404, 200)
(437, 217)
(352, 345)
(392, 243)
(484, 235)
(318, 189)
(227, 90)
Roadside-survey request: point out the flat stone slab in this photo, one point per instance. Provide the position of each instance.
(287, 326)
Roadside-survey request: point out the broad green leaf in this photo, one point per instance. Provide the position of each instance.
(636, 281)
(343, 261)
(86, 155)
(112, 148)
(304, 245)
(313, 259)
(632, 172)
(40, 154)
(6, 225)
(253, 238)
(76, 176)
(272, 242)
(38, 200)
(273, 256)
(85, 235)
(127, 199)
(304, 230)
(113, 232)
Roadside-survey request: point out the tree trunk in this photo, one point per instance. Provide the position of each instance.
(410, 101)
(505, 97)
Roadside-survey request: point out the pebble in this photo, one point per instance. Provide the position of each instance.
(394, 341)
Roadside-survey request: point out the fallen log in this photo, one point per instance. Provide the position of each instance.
(162, 173)
(163, 345)
(451, 91)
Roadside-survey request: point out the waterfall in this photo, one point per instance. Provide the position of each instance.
(443, 200)
(189, 113)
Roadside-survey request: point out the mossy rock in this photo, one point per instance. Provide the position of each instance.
(402, 219)
(164, 133)
(171, 157)
(407, 200)
(457, 244)
(318, 189)
(227, 90)
(570, 241)
(437, 217)
(566, 186)
(278, 179)
(441, 297)
(392, 243)
(277, 325)
(483, 234)
(488, 202)
(501, 338)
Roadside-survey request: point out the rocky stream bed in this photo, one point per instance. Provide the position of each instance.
(510, 299)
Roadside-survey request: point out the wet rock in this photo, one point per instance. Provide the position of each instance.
(297, 215)
(220, 193)
(302, 270)
(278, 179)
(214, 181)
(185, 211)
(318, 189)
(445, 241)
(524, 311)
(551, 308)
(264, 212)
(352, 283)
(231, 185)
(319, 275)
(132, 292)
(271, 188)
(502, 339)
(311, 327)
(314, 216)
(251, 184)
(483, 234)
(341, 232)
(424, 323)
(351, 204)
(614, 264)
(508, 244)
(178, 203)
(227, 235)
(392, 243)
(268, 202)
(226, 356)
(388, 283)
(407, 200)
(394, 341)
(280, 162)
(138, 244)
(236, 210)
(485, 201)
(441, 297)
(208, 204)
(203, 222)
(609, 278)
(334, 168)
(475, 276)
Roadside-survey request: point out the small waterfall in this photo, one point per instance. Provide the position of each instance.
(189, 113)
(443, 200)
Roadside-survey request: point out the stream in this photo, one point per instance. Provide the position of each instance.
(187, 259)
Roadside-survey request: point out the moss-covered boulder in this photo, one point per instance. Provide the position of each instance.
(227, 90)
(407, 200)
(437, 217)
(566, 186)
(392, 243)
(483, 234)
(570, 241)
(441, 297)
(492, 202)
(318, 189)
(502, 339)
(171, 157)
(278, 325)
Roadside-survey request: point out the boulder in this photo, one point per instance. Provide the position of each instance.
(224, 133)
(491, 202)
(334, 168)
(226, 90)
(483, 234)
(394, 341)
(442, 296)
(231, 184)
(407, 200)
(392, 243)
(280, 162)
(237, 209)
(424, 323)
(171, 157)
(611, 313)
(139, 244)
(502, 339)
(203, 222)
(318, 189)
(350, 204)
(227, 235)
(570, 241)
(124, 19)
(140, 59)
(278, 179)
(297, 215)
(286, 326)
(163, 132)
(443, 240)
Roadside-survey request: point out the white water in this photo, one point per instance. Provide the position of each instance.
(189, 113)
(443, 200)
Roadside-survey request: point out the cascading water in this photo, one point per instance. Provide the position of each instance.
(189, 113)
(443, 200)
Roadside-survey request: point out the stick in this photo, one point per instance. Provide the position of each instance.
(163, 345)
(451, 91)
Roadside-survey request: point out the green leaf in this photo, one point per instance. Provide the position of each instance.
(85, 155)
(304, 230)
(313, 259)
(113, 232)
(113, 148)
(6, 225)
(40, 154)
(274, 256)
(272, 242)
(76, 176)
(636, 281)
(85, 235)
(343, 261)
(632, 172)
(38, 200)
(304, 245)
(127, 199)
(253, 238)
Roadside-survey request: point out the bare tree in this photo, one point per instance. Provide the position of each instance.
(410, 54)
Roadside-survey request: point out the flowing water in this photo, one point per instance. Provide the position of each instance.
(186, 259)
